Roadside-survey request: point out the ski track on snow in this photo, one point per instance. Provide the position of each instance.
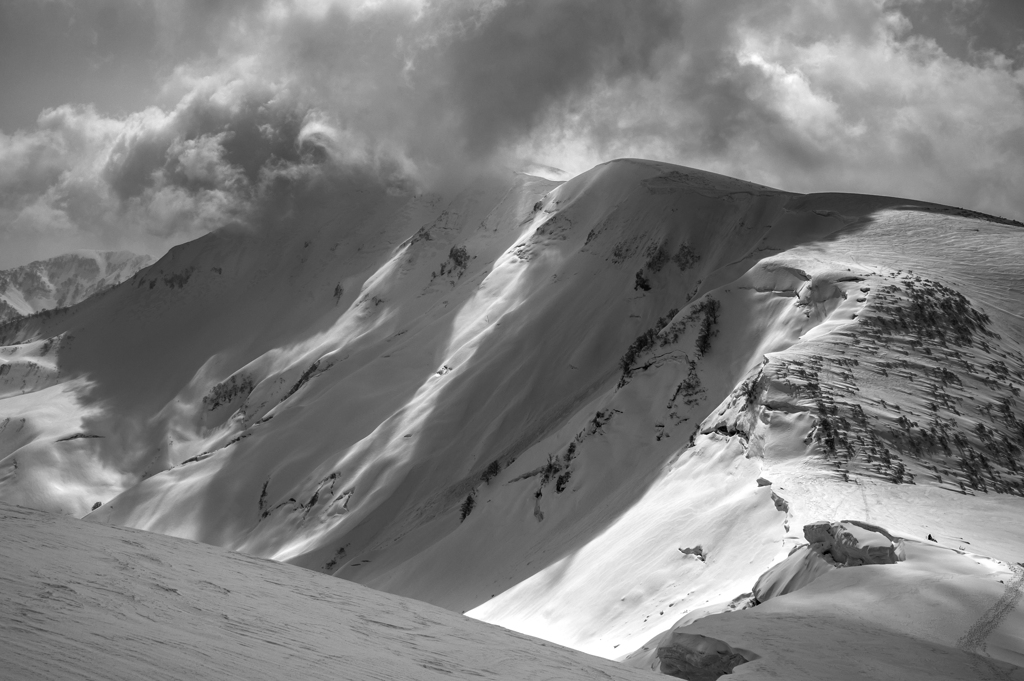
(973, 641)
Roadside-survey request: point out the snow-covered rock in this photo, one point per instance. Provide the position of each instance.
(699, 658)
(830, 545)
(851, 542)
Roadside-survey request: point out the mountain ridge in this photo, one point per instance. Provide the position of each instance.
(632, 350)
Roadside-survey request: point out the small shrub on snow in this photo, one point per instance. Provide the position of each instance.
(226, 391)
(467, 507)
(685, 258)
(459, 256)
(658, 258)
(643, 342)
(491, 472)
(707, 325)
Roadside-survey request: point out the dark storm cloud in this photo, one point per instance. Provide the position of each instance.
(528, 56)
(207, 113)
(813, 96)
(190, 148)
(969, 30)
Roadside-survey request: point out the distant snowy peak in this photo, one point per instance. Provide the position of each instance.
(64, 280)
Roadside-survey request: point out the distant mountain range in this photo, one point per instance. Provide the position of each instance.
(64, 280)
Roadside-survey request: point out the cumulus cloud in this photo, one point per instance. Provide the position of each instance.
(527, 56)
(140, 182)
(881, 96)
(816, 96)
(158, 177)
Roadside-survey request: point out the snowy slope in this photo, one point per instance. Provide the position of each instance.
(586, 411)
(64, 280)
(85, 601)
(813, 427)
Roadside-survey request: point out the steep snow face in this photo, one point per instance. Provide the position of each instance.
(85, 601)
(63, 281)
(588, 411)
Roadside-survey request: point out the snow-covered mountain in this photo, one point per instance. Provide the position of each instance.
(591, 411)
(64, 280)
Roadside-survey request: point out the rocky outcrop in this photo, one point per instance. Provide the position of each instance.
(851, 542)
(700, 658)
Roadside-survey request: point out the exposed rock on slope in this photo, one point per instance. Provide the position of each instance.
(64, 280)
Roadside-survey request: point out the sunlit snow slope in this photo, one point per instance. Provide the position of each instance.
(64, 280)
(86, 601)
(582, 410)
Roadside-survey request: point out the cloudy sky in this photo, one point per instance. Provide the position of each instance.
(139, 124)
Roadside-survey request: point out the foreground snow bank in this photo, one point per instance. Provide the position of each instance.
(86, 601)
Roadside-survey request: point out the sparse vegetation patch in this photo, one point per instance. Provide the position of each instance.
(227, 391)
(303, 379)
(709, 309)
(178, 279)
(922, 332)
(642, 343)
(455, 265)
(657, 258)
(491, 472)
(467, 507)
(685, 257)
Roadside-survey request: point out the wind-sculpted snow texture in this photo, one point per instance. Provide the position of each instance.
(589, 411)
(63, 281)
(84, 601)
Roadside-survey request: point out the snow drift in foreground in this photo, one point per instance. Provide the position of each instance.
(589, 411)
(63, 281)
(85, 601)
